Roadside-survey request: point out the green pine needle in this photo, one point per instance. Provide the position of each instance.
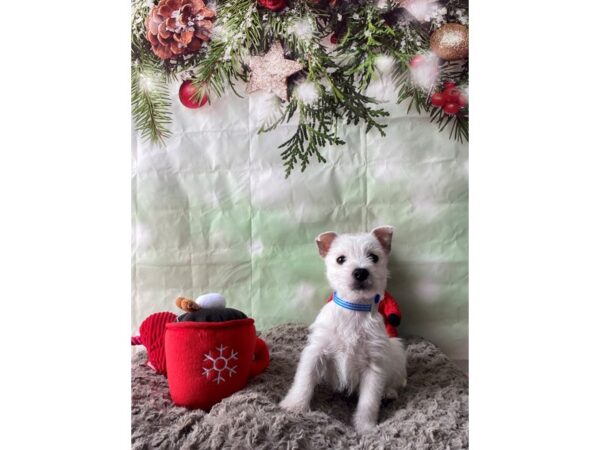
(150, 105)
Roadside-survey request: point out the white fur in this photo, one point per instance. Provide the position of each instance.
(351, 350)
(211, 300)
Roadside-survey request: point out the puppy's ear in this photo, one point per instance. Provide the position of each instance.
(384, 236)
(324, 241)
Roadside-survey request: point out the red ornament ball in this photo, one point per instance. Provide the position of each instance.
(451, 94)
(449, 84)
(451, 108)
(273, 5)
(187, 94)
(452, 100)
(438, 99)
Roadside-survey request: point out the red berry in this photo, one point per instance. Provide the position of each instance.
(462, 100)
(437, 99)
(451, 108)
(451, 94)
(187, 94)
(449, 84)
(416, 60)
(333, 38)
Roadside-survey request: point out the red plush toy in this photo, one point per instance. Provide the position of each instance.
(152, 336)
(208, 361)
(208, 353)
(390, 311)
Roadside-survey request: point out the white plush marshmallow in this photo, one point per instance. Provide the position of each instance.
(211, 300)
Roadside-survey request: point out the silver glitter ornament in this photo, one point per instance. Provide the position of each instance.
(270, 72)
(450, 41)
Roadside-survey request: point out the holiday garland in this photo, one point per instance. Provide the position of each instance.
(283, 47)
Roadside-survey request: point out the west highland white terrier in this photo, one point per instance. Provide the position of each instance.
(348, 346)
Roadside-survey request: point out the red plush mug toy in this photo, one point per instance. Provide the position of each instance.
(209, 353)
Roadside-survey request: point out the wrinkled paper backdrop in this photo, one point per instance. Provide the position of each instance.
(212, 212)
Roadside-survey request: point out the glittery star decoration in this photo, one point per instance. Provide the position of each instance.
(270, 72)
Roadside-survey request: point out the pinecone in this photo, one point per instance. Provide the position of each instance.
(178, 27)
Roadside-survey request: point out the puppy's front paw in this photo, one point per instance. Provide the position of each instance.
(363, 426)
(289, 403)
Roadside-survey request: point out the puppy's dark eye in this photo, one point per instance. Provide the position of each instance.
(341, 259)
(373, 257)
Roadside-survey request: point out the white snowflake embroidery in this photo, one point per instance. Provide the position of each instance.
(220, 364)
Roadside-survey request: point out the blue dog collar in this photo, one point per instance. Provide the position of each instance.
(361, 307)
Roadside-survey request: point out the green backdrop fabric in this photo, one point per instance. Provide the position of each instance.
(212, 212)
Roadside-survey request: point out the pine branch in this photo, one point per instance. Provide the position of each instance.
(408, 91)
(315, 130)
(354, 106)
(240, 32)
(369, 36)
(338, 97)
(460, 128)
(150, 104)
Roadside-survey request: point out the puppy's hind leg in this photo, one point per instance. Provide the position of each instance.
(299, 396)
(398, 360)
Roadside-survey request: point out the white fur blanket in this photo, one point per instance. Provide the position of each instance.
(431, 413)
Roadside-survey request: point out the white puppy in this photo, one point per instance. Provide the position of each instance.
(348, 346)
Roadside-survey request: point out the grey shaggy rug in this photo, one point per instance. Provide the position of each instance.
(431, 412)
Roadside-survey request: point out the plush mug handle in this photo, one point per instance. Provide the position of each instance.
(261, 358)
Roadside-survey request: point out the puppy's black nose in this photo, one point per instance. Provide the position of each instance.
(360, 274)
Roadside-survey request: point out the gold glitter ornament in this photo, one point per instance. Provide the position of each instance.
(450, 41)
(270, 72)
